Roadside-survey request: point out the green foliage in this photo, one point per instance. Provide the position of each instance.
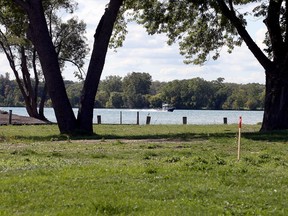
(73, 91)
(10, 94)
(115, 100)
(70, 43)
(135, 86)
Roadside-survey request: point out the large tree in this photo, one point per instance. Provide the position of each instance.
(202, 28)
(38, 34)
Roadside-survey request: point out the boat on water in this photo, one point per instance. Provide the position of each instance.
(168, 108)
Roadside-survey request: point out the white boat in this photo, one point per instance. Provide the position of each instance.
(168, 107)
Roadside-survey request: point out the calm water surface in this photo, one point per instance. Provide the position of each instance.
(129, 116)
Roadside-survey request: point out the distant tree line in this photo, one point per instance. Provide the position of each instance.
(137, 90)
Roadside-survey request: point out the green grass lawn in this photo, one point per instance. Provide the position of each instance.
(143, 170)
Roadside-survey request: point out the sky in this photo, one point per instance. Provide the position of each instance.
(145, 53)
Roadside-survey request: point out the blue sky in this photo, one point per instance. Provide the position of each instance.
(151, 54)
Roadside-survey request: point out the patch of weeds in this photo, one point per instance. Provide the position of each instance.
(251, 161)
(187, 154)
(173, 159)
(151, 170)
(118, 142)
(199, 163)
(264, 156)
(183, 146)
(27, 160)
(25, 152)
(220, 161)
(56, 154)
(99, 155)
(2, 138)
(257, 161)
(149, 155)
(109, 209)
(279, 161)
(242, 170)
(153, 146)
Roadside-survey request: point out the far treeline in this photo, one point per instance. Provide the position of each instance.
(137, 90)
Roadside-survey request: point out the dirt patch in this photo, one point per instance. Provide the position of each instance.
(18, 120)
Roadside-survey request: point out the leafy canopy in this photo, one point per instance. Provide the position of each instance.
(200, 27)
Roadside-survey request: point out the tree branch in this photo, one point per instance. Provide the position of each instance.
(273, 25)
(236, 22)
(35, 75)
(231, 6)
(78, 67)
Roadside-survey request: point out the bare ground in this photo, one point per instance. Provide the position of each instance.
(18, 120)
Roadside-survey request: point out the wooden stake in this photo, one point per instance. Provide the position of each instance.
(239, 137)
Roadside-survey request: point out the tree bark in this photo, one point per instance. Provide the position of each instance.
(276, 101)
(39, 35)
(42, 102)
(26, 86)
(97, 61)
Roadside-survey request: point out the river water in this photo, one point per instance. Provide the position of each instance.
(129, 116)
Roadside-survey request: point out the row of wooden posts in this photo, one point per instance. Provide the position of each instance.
(148, 119)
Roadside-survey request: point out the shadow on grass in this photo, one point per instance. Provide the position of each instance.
(275, 136)
(32, 138)
(176, 136)
(257, 136)
(168, 136)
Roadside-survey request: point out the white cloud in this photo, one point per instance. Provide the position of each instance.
(4, 64)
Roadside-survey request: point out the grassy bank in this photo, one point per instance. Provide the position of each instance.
(143, 170)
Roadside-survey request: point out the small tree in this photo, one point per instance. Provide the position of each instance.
(68, 41)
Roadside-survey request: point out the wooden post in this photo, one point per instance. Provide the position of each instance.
(121, 117)
(184, 120)
(137, 118)
(10, 116)
(98, 119)
(239, 137)
(148, 119)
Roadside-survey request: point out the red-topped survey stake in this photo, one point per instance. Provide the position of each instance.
(240, 122)
(239, 137)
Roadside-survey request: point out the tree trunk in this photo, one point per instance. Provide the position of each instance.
(26, 86)
(101, 42)
(38, 33)
(276, 101)
(42, 102)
